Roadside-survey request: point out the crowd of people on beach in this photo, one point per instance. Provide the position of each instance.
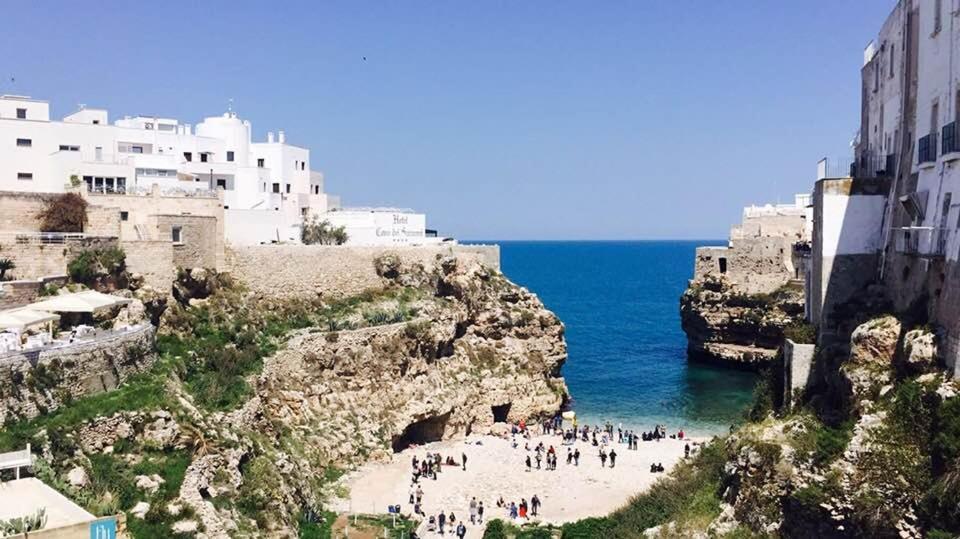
(542, 456)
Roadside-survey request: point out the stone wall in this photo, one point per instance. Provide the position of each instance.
(198, 246)
(19, 293)
(35, 260)
(336, 271)
(34, 382)
(797, 367)
(751, 265)
(18, 213)
(153, 260)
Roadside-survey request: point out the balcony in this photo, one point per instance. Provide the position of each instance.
(950, 142)
(927, 149)
(921, 241)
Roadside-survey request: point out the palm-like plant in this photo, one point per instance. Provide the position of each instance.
(5, 265)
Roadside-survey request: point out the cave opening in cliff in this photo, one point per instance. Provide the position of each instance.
(723, 265)
(500, 412)
(421, 432)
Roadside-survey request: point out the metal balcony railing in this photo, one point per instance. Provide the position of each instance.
(927, 149)
(922, 241)
(949, 139)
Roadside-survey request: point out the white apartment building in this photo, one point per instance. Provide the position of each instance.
(269, 187)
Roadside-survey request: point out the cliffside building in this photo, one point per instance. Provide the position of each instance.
(268, 186)
(765, 251)
(892, 214)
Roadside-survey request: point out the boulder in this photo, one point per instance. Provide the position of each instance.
(875, 341)
(77, 477)
(140, 510)
(920, 351)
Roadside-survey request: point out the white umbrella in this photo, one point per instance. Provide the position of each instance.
(80, 302)
(21, 319)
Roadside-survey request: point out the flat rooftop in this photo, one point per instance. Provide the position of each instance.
(25, 496)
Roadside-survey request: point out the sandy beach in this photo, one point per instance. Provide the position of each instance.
(496, 469)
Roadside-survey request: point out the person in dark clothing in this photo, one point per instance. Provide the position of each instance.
(529, 464)
(613, 458)
(576, 457)
(464, 465)
(441, 520)
(535, 504)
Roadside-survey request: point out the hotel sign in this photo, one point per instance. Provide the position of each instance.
(396, 226)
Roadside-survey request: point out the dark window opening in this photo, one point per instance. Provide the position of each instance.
(124, 216)
(260, 163)
(276, 188)
(24, 142)
(203, 158)
(421, 432)
(230, 156)
(723, 265)
(21, 114)
(221, 183)
(500, 412)
(288, 188)
(188, 156)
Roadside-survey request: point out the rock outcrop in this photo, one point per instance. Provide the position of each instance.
(732, 328)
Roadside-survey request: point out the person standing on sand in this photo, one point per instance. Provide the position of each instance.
(441, 520)
(464, 455)
(480, 512)
(603, 459)
(461, 530)
(419, 495)
(538, 460)
(529, 465)
(535, 504)
(473, 510)
(576, 457)
(613, 458)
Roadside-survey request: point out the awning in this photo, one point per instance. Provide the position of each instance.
(24, 318)
(80, 302)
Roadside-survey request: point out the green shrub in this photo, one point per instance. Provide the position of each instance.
(496, 529)
(322, 233)
(587, 528)
(92, 264)
(801, 333)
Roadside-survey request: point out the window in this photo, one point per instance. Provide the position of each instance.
(230, 157)
(124, 216)
(188, 156)
(876, 74)
(136, 149)
(203, 157)
(276, 188)
(893, 47)
(934, 116)
(24, 175)
(176, 234)
(723, 264)
(166, 127)
(69, 148)
(221, 183)
(316, 189)
(260, 163)
(24, 142)
(96, 122)
(21, 114)
(288, 188)
(303, 165)
(937, 16)
(148, 126)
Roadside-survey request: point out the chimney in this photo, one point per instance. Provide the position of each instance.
(281, 137)
(270, 136)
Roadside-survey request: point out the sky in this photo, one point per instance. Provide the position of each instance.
(499, 120)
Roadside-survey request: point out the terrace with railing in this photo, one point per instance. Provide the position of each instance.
(927, 149)
(922, 241)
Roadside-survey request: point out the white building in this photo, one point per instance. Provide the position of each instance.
(269, 186)
(383, 226)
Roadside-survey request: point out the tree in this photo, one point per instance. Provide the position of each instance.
(322, 233)
(5, 265)
(63, 213)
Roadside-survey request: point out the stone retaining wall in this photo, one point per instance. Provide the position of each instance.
(32, 383)
(34, 260)
(306, 271)
(18, 293)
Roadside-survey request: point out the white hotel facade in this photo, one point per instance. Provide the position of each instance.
(269, 187)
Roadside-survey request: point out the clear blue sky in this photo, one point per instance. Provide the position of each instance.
(505, 120)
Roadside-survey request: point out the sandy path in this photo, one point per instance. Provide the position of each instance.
(496, 469)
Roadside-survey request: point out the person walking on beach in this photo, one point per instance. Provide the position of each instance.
(603, 459)
(473, 511)
(441, 520)
(464, 455)
(419, 495)
(538, 460)
(529, 465)
(461, 530)
(576, 457)
(535, 504)
(613, 458)
(686, 451)
(480, 513)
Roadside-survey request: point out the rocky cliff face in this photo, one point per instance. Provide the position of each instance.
(884, 465)
(737, 329)
(439, 351)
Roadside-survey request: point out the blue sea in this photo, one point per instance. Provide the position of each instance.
(627, 359)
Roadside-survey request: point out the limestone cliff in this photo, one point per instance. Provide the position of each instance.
(241, 424)
(733, 328)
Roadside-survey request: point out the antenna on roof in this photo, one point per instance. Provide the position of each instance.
(230, 105)
(81, 106)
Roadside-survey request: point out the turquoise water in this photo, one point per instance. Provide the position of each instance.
(628, 361)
